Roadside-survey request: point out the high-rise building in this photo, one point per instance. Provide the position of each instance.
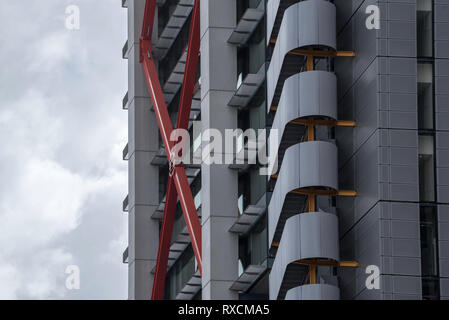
(358, 93)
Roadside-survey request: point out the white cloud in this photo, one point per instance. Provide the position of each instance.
(61, 135)
(43, 276)
(9, 278)
(45, 202)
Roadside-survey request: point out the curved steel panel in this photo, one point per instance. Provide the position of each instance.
(307, 164)
(306, 94)
(306, 236)
(307, 23)
(272, 12)
(314, 292)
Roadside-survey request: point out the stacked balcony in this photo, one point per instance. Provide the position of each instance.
(303, 234)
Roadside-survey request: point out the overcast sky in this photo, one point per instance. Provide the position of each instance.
(62, 132)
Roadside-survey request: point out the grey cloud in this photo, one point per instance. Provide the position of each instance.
(61, 134)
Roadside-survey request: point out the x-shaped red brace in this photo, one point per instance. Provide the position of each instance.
(178, 184)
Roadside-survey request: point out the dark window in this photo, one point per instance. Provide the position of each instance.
(425, 96)
(168, 63)
(426, 168)
(163, 178)
(164, 14)
(180, 274)
(430, 289)
(258, 240)
(424, 25)
(429, 241)
(244, 192)
(253, 248)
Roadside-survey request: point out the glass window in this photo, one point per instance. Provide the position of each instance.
(257, 49)
(430, 289)
(253, 248)
(424, 25)
(163, 177)
(181, 272)
(169, 62)
(426, 168)
(425, 96)
(197, 200)
(259, 242)
(429, 241)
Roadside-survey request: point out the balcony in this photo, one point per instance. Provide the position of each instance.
(307, 24)
(305, 95)
(306, 165)
(306, 236)
(314, 292)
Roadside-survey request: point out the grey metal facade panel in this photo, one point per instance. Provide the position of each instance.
(397, 33)
(384, 96)
(385, 168)
(314, 292)
(305, 236)
(272, 11)
(441, 17)
(387, 237)
(443, 245)
(307, 23)
(442, 93)
(308, 164)
(442, 154)
(379, 157)
(345, 11)
(444, 288)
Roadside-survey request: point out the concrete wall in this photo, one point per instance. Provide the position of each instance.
(219, 183)
(143, 177)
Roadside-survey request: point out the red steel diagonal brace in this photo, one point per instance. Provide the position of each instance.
(177, 182)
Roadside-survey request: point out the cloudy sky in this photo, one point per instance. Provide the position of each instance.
(62, 131)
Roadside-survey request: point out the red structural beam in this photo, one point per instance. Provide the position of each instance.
(165, 241)
(177, 183)
(148, 20)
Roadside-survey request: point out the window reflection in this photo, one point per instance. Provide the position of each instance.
(425, 96)
(426, 169)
